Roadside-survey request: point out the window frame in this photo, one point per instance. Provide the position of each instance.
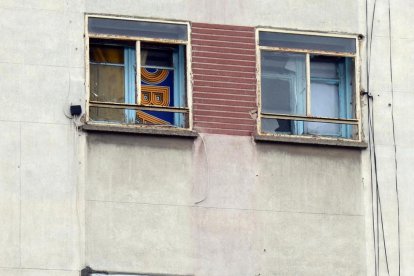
(138, 39)
(308, 117)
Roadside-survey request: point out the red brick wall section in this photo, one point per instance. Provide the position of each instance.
(224, 74)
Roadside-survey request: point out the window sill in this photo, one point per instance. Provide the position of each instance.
(318, 141)
(140, 130)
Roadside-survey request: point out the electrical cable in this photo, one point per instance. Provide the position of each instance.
(378, 196)
(368, 57)
(379, 206)
(382, 230)
(393, 136)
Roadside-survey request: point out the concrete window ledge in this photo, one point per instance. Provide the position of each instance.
(140, 130)
(318, 141)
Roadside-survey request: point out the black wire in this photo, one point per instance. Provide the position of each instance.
(393, 136)
(378, 196)
(372, 189)
(383, 234)
(368, 65)
(372, 186)
(372, 31)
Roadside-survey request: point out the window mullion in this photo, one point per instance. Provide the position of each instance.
(138, 71)
(308, 86)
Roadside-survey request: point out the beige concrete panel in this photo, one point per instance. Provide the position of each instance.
(49, 234)
(403, 64)
(382, 118)
(337, 15)
(77, 91)
(164, 8)
(403, 118)
(10, 194)
(12, 45)
(389, 207)
(229, 176)
(10, 87)
(12, 4)
(380, 77)
(75, 6)
(46, 88)
(139, 169)
(226, 241)
(306, 244)
(405, 192)
(45, 36)
(211, 241)
(402, 18)
(380, 23)
(308, 179)
(139, 238)
(36, 272)
(75, 39)
(236, 242)
(53, 5)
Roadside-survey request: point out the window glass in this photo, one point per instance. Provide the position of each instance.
(154, 56)
(331, 87)
(107, 83)
(113, 80)
(108, 115)
(145, 117)
(137, 28)
(307, 42)
(278, 126)
(324, 88)
(283, 83)
(106, 54)
(299, 127)
(286, 73)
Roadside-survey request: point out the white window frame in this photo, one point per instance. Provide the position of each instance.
(138, 106)
(308, 117)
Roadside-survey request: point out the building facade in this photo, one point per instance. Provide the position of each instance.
(257, 138)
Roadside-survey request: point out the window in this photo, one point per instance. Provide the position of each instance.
(308, 85)
(155, 94)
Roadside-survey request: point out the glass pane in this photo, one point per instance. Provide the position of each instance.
(325, 129)
(307, 42)
(156, 56)
(108, 115)
(323, 67)
(296, 127)
(138, 117)
(283, 83)
(163, 76)
(137, 28)
(332, 87)
(158, 118)
(107, 83)
(106, 54)
(278, 126)
(325, 100)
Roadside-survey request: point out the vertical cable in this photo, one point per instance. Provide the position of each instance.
(393, 137)
(368, 56)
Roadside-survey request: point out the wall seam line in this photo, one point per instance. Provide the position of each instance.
(223, 208)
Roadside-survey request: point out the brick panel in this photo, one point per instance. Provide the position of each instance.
(224, 73)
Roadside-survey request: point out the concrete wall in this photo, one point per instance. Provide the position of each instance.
(72, 199)
(42, 71)
(393, 99)
(265, 209)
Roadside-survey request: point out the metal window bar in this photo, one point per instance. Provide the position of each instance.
(310, 118)
(137, 107)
